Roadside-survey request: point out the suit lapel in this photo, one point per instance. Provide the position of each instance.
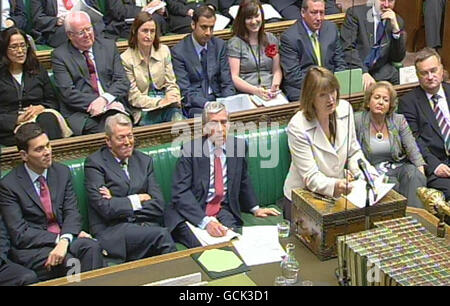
(192, 55)
(232, 151)
(369, 25)
(80, 62)
(425, 106)
(28, 186)
(53, 186)
(211, 58)
(112, 163)
(307, 40)
(54, 6)
(99, 59)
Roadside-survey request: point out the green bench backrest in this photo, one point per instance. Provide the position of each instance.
(267, 181)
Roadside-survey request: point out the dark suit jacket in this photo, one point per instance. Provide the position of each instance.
(357, 36)
(17, 14)
(36, 90)
(4, 242)
(280, 5)
(44, 15)
(107, 216)
(191, 183)
(73, 80)
(188, 70)
(424, 126)
(116, 13)
(297, 54)
(24, 215)
(180, 7)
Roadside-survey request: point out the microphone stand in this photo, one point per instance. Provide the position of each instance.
(367, 207)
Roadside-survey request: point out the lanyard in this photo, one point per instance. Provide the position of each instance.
(257, 62)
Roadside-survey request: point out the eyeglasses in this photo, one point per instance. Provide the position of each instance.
(16, 48)
(81, 33)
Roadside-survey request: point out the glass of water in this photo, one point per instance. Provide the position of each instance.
(283, 228)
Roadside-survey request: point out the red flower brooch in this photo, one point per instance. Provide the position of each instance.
(271, 50)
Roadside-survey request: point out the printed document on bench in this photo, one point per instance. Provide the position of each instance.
(206, 239)
(359, 194)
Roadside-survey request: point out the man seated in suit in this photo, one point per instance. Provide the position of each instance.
(426, 108)
(373, 38)
(311, 41)
(40, 211)
(89, 75)
(13, 14)
(290, 9)
(433, 19)
(48, 19)
(182, 11)
(211, 184)
(201, 64)
(119, 15)
(12, 274)
(126, 204)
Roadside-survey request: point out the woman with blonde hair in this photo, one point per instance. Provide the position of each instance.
(322, 140)
(388, 143)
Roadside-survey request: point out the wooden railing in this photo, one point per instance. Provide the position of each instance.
(170, 40)
(146, 136)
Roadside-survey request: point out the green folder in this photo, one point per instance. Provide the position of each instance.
(350, 81)
(218, 263)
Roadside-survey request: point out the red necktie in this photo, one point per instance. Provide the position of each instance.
(92, 72)
(68, 4)
(46, 202)
(213, 207)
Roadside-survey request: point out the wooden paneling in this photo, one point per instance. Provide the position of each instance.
(412, 13)
(445, 51)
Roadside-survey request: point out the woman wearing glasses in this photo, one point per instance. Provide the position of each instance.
(253, 53)
(322, 140)
(154, 94)
(25, 89)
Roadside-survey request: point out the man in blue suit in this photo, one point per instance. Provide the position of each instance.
(201, 65)
(311, 41)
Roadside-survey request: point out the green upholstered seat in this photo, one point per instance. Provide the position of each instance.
(268, 165)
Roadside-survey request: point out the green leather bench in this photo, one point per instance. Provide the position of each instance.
(268, 182)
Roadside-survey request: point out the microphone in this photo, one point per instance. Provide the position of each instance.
(362, 166)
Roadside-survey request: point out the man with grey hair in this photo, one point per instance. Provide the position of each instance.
(126, 203)
(89, 75)
(211, 185)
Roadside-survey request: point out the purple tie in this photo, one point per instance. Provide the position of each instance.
(46, 202)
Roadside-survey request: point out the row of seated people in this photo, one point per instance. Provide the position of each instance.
(94, 81)
(127, 213)
(210, 184)
(48, 15)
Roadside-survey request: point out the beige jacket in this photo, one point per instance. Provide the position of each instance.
(316, 164)
(161, 72)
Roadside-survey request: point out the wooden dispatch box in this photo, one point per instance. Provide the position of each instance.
(317, 223)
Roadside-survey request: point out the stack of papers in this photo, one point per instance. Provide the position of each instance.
(206, 239)
(237, 103)
(279, 99)
(359, 194)
(259, 245)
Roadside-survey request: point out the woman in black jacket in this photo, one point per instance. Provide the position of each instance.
(26, 93)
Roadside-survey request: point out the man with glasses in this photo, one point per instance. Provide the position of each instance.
(211, 185)
(48, 19)
(426, 108)
(311, 41)
(40, 211)
(89, 75)
(373, 38)
(126, 203)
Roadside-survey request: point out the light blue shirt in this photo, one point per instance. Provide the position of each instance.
(37, 186)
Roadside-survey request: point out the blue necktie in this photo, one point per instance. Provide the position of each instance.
(204, 63)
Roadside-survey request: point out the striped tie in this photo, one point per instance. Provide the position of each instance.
(316, 46)
(443, 124)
